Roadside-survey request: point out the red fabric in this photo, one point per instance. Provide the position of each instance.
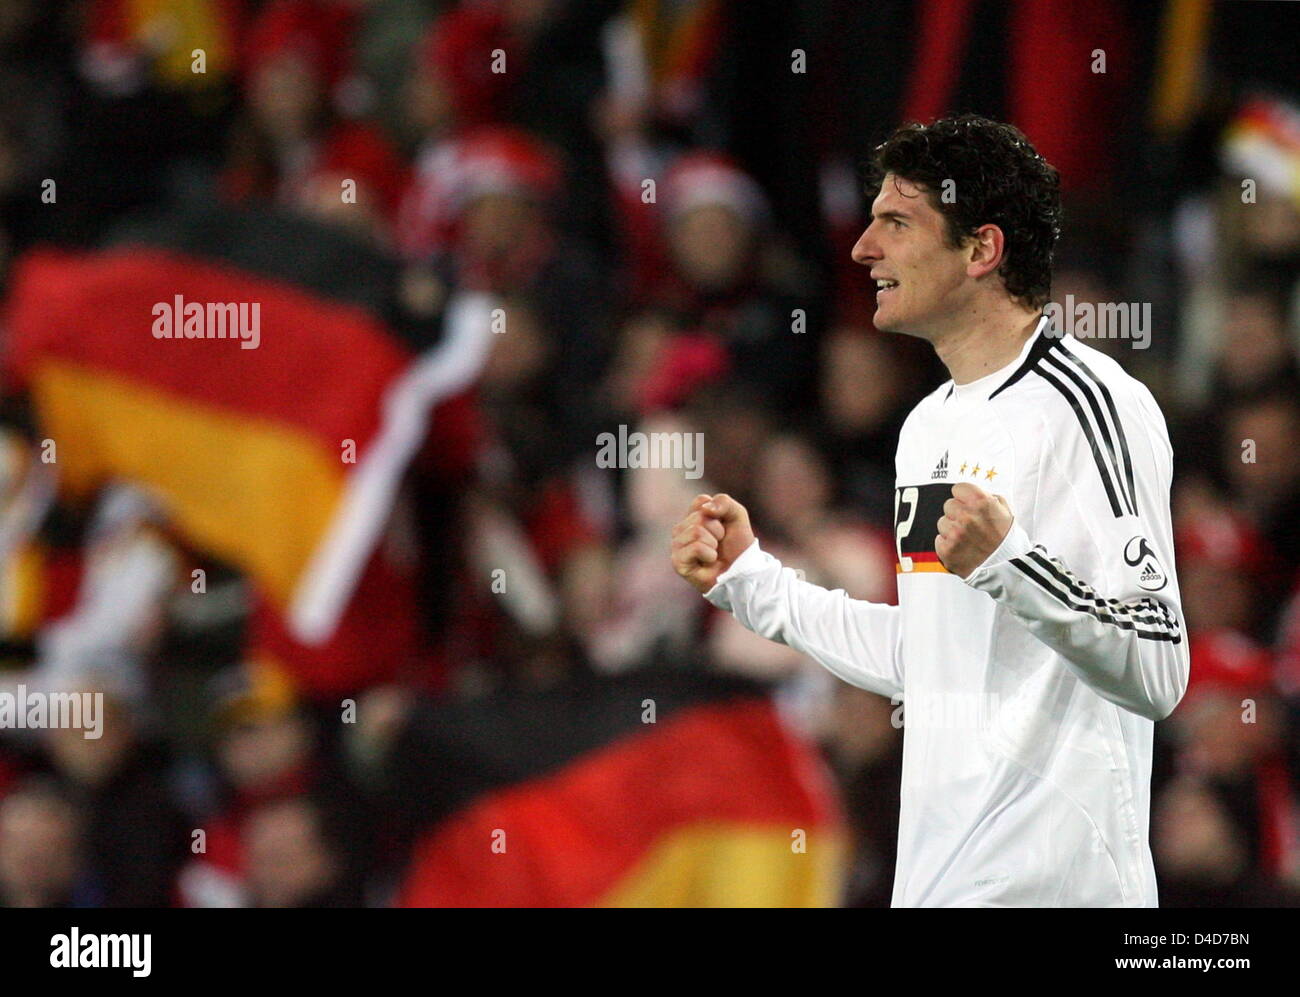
(361, 153)
(348, 150)
(557, 525)
(500, 159)
(484, 160)
(9, 774)
(459, 49)
(50, 312)
(377, 640)
(108, 21)
(319, 30)
(1228, 661)
(1276, 822)
(63, 569)
(224, 849)
(574, 834)
(1220, 537)
(942, 28)
(854, 296)
(456, 437)
(688, 363)
(1069, 112)
(647, 257)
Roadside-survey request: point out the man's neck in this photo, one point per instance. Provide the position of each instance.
(983, 346)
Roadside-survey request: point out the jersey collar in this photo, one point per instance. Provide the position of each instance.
(991, 384)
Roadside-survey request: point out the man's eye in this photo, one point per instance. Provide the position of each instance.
(898, 224)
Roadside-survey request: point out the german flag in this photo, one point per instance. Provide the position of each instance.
(654, 789)
(257, 373)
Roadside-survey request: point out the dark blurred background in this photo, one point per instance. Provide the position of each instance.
(651, 189)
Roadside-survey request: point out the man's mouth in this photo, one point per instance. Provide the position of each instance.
(883, 285)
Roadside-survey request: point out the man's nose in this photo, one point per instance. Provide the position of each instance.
(865, 251)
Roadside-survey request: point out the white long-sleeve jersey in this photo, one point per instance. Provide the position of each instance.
(1030, 688)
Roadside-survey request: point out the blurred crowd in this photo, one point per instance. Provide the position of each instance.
(665, 198)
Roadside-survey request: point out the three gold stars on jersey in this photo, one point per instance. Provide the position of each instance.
(976, 469)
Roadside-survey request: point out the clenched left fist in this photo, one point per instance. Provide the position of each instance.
(972, 526)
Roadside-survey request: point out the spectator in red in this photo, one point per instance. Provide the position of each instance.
(294, 146)
(41, 861)
(733, 280)
(295, 858)
(1224, 827)
(1220, 557)
(1262, 464)
(266, 753)
(452, 90)
(505, 239)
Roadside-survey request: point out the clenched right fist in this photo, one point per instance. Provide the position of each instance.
(708, 540)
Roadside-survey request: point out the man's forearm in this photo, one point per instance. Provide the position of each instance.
(1131, 651)
(855, 640)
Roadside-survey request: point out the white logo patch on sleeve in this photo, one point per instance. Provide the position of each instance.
(1138, 554)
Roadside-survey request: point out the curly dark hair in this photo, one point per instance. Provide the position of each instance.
(999, 179)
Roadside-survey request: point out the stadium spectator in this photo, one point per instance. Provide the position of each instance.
(40, 850)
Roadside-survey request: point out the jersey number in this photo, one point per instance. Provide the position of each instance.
(904, 526)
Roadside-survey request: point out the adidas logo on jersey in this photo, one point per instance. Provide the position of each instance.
(1138, 553)
(941, 469)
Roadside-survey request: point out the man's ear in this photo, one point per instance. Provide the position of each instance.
(986, 249)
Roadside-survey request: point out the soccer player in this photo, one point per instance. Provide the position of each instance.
(1038, 632)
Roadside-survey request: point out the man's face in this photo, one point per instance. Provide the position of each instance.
(905, 245)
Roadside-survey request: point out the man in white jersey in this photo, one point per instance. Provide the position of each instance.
(1039, 633)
